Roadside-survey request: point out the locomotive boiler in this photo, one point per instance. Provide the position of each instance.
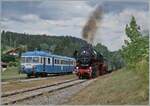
(89, 63)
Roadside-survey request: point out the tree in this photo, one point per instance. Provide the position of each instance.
(8, 58)
(136, 48)
(44, 46)
(132, 30)
(114, 59)
(136, 53)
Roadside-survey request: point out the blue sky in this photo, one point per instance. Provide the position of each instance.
(62, 17)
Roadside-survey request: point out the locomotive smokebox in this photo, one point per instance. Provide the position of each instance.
(86, 55)
(89, 62)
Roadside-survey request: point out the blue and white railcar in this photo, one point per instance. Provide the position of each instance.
(35, 63)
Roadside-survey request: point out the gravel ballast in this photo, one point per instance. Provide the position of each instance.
(56, 97)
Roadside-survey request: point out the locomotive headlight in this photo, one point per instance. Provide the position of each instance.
(77, 68)
(90, 68)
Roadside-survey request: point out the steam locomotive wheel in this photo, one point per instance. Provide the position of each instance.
(93, 73)
(80, 77)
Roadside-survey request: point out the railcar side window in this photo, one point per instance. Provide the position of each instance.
(49, 61)
(65, 62)
(41, 60)
(28, 59)
(71, 62)
(56, 61)
(35, 59)
(74, 63)
(23, 59)
(62, 61)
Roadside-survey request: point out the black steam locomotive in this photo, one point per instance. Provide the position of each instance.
(89, 63)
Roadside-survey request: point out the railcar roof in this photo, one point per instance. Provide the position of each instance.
(43, 53)
(58, 56)
(35, 53)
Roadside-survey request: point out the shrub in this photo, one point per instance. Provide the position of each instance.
(13, 64)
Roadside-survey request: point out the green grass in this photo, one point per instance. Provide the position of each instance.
(118, 88)
(10, 73)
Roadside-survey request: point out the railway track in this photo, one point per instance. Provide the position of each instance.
(22, 80)
(13, 97)
(25, 79)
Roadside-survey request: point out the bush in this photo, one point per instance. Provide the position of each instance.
(142, 68)
(8, 58)
(15, 64)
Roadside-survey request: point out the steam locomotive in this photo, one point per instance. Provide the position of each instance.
(89, 63)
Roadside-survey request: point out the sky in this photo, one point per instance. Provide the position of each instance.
(67, 17)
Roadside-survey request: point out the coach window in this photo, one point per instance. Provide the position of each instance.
(61, 61)
(65, 61)
(71, 62)
(28, 59)
(23, 59)
(35, 59)
(41, 60)
(56, 61)
(49, 61)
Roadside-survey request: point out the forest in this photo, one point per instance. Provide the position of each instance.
(61, 45)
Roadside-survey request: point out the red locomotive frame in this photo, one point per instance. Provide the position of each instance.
(97, 67)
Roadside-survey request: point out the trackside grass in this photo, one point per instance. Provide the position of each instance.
(118, 88)
(10, 73)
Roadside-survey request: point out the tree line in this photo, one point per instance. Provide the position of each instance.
(61, 45)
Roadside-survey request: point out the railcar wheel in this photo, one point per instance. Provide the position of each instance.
(36, 75)
(93, 73)
(28, 75)
(43, 74)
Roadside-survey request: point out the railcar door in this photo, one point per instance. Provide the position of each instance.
(48, 65)
(53, 61)
(44, 63)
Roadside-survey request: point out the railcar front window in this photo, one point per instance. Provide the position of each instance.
(28, 59)
(23, 59)
(35, 59)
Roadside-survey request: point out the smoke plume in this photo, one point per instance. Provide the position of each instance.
(90, 28)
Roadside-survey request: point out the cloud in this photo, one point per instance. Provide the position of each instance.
(112, 27)
(69, 17)
(30, 18)
(33, 24)
(57, 10)
(54, 10)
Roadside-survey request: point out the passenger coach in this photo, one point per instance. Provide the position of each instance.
(40, 63)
